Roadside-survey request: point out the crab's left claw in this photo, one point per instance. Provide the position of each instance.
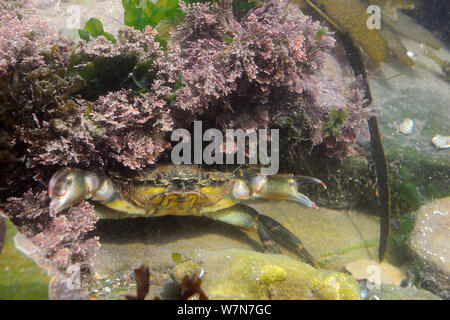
(283, 187)
(69, 187)
(66, 188)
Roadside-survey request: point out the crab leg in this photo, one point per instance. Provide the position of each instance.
(288, 238)
(283, 187)
(248, 218)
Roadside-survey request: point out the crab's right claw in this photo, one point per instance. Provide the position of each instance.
(299, 180)
(283, 187)
(69, 187)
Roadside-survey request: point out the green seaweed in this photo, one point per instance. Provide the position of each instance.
(102, 74)
(407, 191)
(335, 122)
(406, 225)
(165, 14)
(272, 273)
(142, 13)
(320, 33)
(177, 258)
(241, 274)
(141, 74)
(94, 28)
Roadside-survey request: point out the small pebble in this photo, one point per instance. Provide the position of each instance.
(441, 142)
(406, 127)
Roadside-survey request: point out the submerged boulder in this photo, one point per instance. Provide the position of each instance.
(242, 274)
(388, 292)
(431, 248)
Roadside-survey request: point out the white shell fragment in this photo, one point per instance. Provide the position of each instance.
(406, 127)
(441, 142)
(411, 54)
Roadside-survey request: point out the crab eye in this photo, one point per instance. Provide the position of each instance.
(240, 191)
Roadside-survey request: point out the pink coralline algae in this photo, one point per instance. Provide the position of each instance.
(130, 43)
(62, 238)
(249, 73)
(21, 39)
(133, 126)
(39, 122)
(262, 61)
(59, 129)
(130, 128)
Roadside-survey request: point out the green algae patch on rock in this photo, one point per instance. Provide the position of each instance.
(242, 274)
(334, 286)
(20, 277)
(272, 273)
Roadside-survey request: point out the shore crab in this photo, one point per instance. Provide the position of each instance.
(189, 190)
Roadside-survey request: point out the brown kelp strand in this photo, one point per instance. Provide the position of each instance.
(355, 60)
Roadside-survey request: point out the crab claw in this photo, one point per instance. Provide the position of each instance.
(283, 187)
(299, 180)
(69, 187)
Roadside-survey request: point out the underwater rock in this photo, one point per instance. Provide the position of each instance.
(443, 64)
(430, 246)
(396, 46)
(387, 292)
(351, 17)
(406, 27)
(241, 274)
(391, 7)
(376, 272)
(417, 170)
(350, 182)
